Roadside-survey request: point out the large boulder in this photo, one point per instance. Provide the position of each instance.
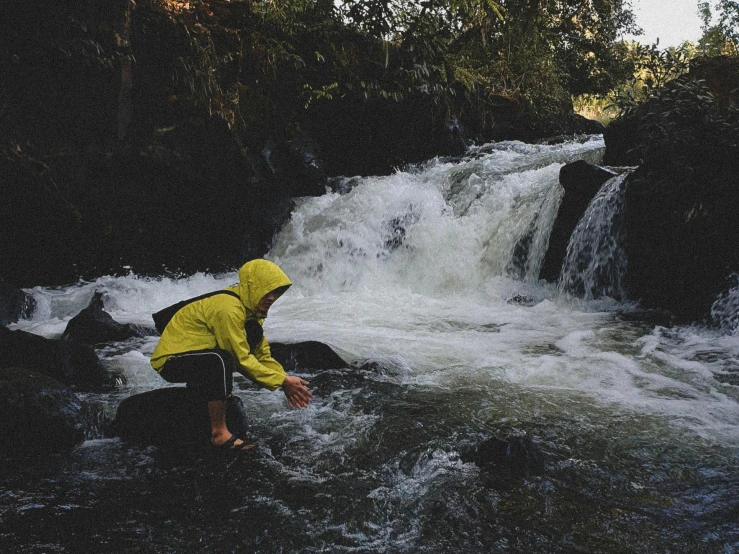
(37, 413)
(306, 356)
(682, 236)
(15, 304)
(172, 416)
(681, 227)
(94, 325)
(69, 362)
(581, 182)
(621, 147)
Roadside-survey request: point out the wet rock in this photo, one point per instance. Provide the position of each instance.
(621, 149)
(682, 246)
(306, 356)
(67, 361)
(37, 413)
(516, 454)
(15, 304)
(94, 325)
(172, 415)
(522, 300)
(581, 182)
(327, 382)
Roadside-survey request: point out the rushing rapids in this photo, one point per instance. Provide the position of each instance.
(498, 413)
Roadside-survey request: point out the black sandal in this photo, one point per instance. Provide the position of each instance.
(230, 444)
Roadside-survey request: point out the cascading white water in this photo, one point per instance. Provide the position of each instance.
(725, 311)
(444, 228)
(595, 263)
(434, 272)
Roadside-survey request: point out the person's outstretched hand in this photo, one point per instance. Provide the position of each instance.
(296, 391)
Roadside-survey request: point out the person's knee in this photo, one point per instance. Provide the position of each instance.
(220, 380)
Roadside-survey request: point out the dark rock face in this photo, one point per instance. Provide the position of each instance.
(41, 231)
(306, 356)
(171, 416)
(621, 149)
(681, 228)
(94, 325)
(37, 413)
(682, 246)
(69, 362)
(15, 304)
(581, 182)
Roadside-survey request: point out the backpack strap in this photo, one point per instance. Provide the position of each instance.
(162, 317)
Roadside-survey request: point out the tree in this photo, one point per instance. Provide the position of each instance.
(721, 38)
(729, 21)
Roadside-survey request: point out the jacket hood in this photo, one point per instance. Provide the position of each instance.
(257, 278)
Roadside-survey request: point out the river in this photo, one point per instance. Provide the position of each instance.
(484, 411)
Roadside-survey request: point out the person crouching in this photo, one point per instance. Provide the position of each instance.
(206, 340)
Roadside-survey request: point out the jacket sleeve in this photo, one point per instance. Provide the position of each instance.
(228, 328)
(263, 353)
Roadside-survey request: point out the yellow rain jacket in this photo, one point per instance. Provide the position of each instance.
(218, 322)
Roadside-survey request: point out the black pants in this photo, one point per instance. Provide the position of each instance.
(209, 371)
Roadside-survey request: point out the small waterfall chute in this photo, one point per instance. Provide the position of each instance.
(595, 263)
(725, 310)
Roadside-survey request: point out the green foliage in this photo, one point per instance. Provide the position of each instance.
(652, 70)
(288, 56)
(684, 117)
(686, 124)
(729, 21)
(722, 38)
(597, 107)
(540, 51)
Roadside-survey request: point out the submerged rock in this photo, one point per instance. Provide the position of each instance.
(172, 415)
(67, 361)
(94, 325)
(515, 454)
(15, 304)
(581, 182)
(37, 413)
(522, 300)
(306, 356)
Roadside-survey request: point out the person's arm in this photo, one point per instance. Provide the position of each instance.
(295, 389)
(259, 366)
(228, 327)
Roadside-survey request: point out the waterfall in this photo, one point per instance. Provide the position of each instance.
(595, 262)
(445, 227)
